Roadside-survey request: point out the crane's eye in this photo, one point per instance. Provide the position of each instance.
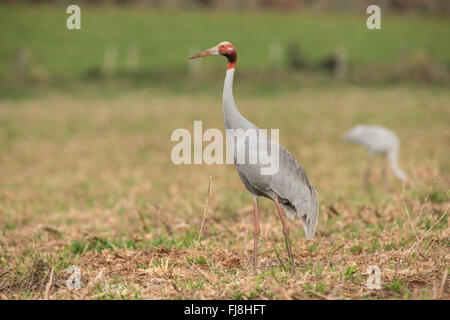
(222, 46)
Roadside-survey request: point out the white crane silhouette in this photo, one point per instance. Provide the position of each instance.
(378, 140)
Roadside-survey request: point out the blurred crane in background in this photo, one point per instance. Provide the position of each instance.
(377, 140)
(288, 187)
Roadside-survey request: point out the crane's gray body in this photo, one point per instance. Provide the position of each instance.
(289, 185)
(378, 140)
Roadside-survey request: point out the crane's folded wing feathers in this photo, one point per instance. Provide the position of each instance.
(295, 192)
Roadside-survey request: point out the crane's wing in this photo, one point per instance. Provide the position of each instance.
(288, 184)
(295, 192)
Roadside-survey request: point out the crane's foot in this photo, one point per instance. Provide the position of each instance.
(292, 266)
(255, 257)
(255, 252)
(291, 260)
(293, 270)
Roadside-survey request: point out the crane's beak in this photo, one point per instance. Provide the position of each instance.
(209, 52)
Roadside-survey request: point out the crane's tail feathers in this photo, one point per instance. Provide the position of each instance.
(307, 210)
(312, 215)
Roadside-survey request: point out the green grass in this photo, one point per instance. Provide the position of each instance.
(396, 286)
(166, 38)
(350, 273)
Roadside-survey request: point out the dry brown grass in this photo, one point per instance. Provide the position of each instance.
(89, 182)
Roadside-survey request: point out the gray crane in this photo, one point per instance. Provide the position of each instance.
(377, 140)
(288, 187)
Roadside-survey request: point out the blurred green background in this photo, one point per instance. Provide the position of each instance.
(147, 43)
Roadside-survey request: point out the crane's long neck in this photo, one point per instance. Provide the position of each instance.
(394, 165)
(231, 114)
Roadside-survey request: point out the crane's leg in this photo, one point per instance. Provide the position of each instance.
(256, 232)
(384, 174)
(369, 165)
(286, 233)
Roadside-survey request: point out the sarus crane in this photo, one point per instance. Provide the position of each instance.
(378, 140)
(289, 187)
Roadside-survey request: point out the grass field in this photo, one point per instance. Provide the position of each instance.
(86, 178)
(166, 38)
(89, 182)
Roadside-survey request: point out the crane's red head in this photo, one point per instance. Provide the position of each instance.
(225, 49)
